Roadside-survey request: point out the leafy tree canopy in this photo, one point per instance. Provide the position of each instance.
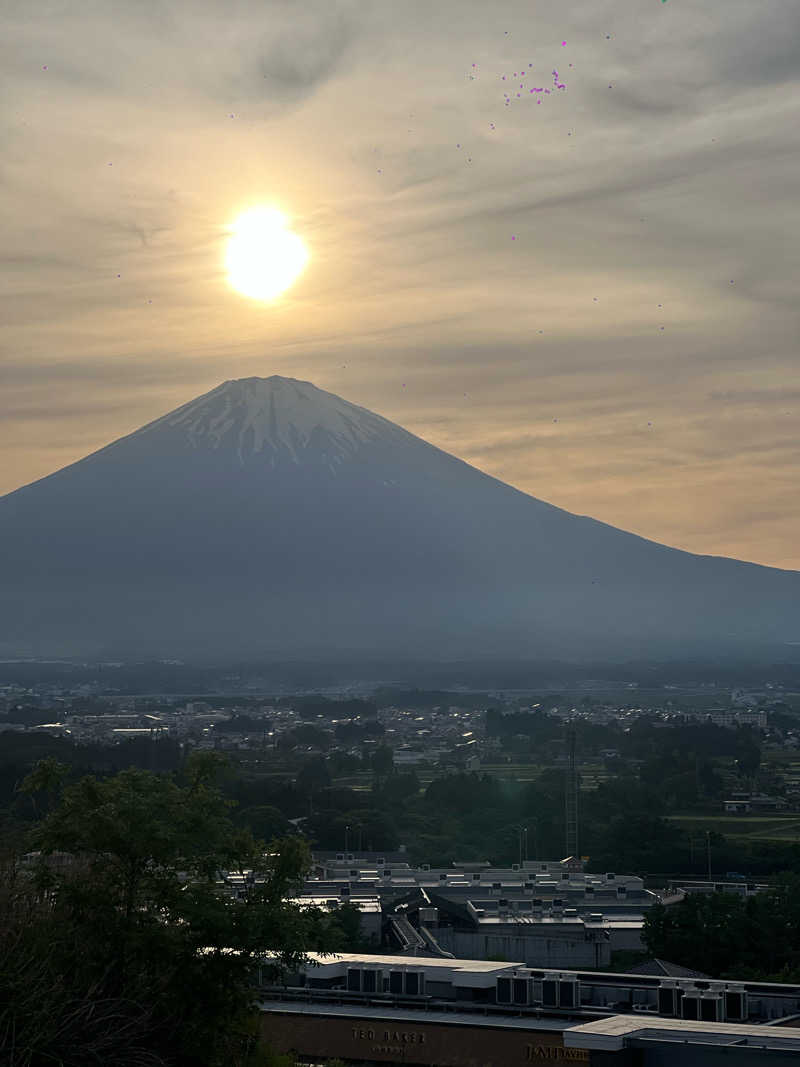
(123, 933)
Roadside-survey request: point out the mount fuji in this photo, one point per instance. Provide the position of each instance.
(271, 517)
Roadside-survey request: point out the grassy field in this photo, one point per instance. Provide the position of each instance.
(749, 827)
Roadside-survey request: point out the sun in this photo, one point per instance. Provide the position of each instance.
(263, 257)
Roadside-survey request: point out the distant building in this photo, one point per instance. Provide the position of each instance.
(744, 803)
(512, 929)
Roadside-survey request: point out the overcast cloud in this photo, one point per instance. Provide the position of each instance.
(593, 297)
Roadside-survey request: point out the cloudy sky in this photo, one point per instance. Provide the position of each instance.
(591, 293)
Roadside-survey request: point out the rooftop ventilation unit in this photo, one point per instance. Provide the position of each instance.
(669, 998)
(560, 991)
(371, 981)
(521, 991)
(712, 1007)
(408, 983)
(735, 1004)
(690, 1005)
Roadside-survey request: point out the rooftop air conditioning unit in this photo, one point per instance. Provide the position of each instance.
(503, 990)
(735, 1004)
(569, 995)
(371, 981)
(560, 991)
(690, 1005)
(550, 991)
(669, 998)
(521, 990)
(712, 1007)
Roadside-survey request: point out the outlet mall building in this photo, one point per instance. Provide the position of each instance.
(366, 1009)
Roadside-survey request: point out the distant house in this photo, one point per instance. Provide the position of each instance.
(742, 804)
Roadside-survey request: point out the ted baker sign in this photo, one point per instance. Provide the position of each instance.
(395, 1043)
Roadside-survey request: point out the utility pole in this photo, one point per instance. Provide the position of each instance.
(346, 837)
(571, 796)
(708, 852)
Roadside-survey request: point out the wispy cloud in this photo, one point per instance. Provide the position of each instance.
(622, 257)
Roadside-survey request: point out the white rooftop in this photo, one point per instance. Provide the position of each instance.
(359, 959)
(454, 1018)
(615, 1032)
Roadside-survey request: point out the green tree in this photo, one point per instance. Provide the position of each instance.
(314, 775)
(382, 761)
(265, 821)
(45, 779)
(703, 931)
(138, 924)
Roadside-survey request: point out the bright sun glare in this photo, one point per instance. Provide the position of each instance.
(263, 257)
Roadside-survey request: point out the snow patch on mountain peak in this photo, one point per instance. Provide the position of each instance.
(278, 414)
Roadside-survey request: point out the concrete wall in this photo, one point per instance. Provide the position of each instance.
(533, 950)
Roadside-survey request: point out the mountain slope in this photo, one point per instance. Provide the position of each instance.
(271, 516)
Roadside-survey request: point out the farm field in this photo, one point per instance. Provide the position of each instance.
(753, 828)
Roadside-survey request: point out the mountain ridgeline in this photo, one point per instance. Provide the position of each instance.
(269, 517)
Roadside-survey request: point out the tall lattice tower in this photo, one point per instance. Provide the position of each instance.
(571, 792)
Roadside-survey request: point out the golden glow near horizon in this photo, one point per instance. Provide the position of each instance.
(263, 257)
